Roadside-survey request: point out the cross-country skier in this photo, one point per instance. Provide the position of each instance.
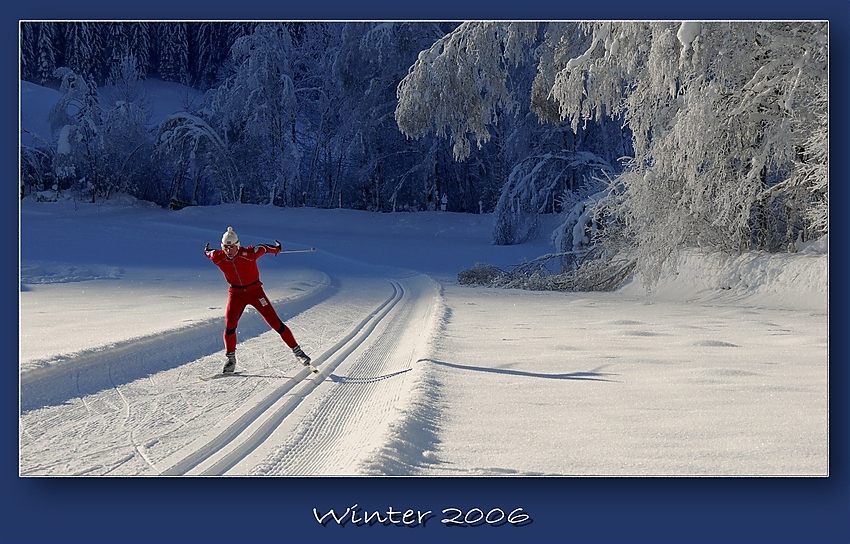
(239, 266)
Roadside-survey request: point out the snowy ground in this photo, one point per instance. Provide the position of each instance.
(712, 374)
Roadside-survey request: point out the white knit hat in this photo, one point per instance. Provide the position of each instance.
(230, 237)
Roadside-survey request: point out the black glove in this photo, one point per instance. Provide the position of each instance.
(206, 249)
(277, 244)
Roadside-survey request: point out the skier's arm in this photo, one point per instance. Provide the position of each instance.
(268, 248)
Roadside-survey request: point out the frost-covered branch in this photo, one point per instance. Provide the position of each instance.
(455, 87)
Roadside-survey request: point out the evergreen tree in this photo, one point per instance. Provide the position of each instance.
(118, 44)
(174, 53)
(140, 46)
(81, 52)
(212, 47)
(46, 52)
(28, 34)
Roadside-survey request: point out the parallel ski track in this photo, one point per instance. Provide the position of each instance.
(230, 441)
(347, 423)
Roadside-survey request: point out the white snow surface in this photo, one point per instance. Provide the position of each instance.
(721, 369)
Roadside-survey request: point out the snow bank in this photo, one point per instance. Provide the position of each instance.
(793, 281)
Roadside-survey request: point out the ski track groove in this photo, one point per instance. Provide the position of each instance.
(322, 433)
(125, 425)
(80, 394)
(341, 407)
(352, 412)
(222, 448)
(345, 404)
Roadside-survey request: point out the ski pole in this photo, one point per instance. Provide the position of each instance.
(297, 250)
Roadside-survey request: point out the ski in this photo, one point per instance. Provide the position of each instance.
(218, 375)
(242, 374)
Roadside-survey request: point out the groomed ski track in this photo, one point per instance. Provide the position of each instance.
(351, 404)
(365, 335)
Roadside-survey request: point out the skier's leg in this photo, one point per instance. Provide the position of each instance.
(274, 321)
(286, 334)
(235, 307)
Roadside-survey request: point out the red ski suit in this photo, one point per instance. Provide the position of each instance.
(242, 274)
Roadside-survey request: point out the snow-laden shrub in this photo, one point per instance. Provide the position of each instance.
(602, 271)
(480, 274)
(598, 270)
(538, 185)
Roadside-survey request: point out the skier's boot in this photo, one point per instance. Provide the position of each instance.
(230, 366)
(302, 357)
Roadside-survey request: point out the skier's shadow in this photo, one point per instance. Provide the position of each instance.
(592, 375)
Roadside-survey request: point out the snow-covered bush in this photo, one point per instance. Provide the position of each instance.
(480, 274)
(539, 185)
(595, 273)
(37, 168)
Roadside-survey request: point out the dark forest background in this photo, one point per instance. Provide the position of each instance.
(295, 114)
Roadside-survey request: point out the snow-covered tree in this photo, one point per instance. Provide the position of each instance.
(538, 185)
(128, 145)
(81, 52)
(127, 149)
(809, 182)
(174, 52)
(727, 126)
(255, 111)
(193, 155)
(456, 87)
(125, 80)
(315, 47)
(712, 107)
(78, 119)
